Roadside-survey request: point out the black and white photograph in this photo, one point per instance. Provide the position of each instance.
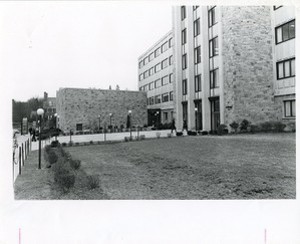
(148, 122)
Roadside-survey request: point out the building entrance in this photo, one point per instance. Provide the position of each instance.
(215, 113)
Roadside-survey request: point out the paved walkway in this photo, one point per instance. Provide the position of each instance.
(100, 137)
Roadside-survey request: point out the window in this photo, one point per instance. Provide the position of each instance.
(146, 60)
(164, 63)
(197, 53)
(141, 77)
(157, 52)
(213, 47)
(146, 87)
(157, 67)
(151, 86)
(151, 71)
(157, 99)
(164, 47)
(165, 97)
(285, 69)
(197, 27)
(183, 36)
(183, 12)
(184, 61)
(171, 60)
(276, 7)
(171, 78)
(197, 83)
(285, 32)
(212, 16)
(146, 74)
(157, 83)
(195, 7)
(289, 108)
(141, 63)
(171, 96)
(79, 127)
(165, 80)
(151, 102)
(151, 56)
(171, 42)
(214, 78)
(165, 116)
(184, 87)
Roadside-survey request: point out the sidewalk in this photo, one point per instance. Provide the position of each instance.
(100, 137)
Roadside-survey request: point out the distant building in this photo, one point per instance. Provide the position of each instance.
(156, 78)
(91, 109)
(49, 105)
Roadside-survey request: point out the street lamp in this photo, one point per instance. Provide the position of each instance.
(110, 115)
(40, 113)
(99, 123)
(129, 114)
(55, 116)
(196, 115)
(157, 119)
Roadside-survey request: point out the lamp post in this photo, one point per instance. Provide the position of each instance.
(196, 115)
(55, 116)
(40, 113)
(157, 122)
(129, 114)
(110, 115)
(99, 123)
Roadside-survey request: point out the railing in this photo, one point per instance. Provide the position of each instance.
(20, 154)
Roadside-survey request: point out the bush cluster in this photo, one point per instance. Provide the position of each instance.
(93, 181)
(222, 129)
(268, 126)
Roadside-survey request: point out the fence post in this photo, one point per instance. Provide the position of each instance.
(20, 170)
(23, 155)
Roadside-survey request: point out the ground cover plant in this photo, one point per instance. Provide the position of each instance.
(246, 166)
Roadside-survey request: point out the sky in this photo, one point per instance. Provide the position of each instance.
(45, 46)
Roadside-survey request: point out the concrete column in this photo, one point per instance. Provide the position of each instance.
(206, 113)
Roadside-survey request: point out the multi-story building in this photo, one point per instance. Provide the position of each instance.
(283, 24)
(156, 77)
(232, 63)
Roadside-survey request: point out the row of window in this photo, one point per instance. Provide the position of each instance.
(285, 32)
(158, 83)
(214, 82)
(165, 97)
(164, 47)
(158, 67)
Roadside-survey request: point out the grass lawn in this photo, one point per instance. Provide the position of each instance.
(261, 166)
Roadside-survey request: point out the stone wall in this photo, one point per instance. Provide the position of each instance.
(248, 70)
(83, 106)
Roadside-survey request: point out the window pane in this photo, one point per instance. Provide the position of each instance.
(292, 29)
(287, 108)
(280, 70)
(279, 34)
(287, 69)
(293, 67)
(216, 47)
(294, 108)
(216, 73)
(285, 32)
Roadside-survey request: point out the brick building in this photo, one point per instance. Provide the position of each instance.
(90, 109)
(233, 63)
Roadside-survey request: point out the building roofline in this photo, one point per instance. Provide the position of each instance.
(98, 89)
(160, 40)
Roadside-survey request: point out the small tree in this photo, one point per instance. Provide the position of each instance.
(244, 125)
(234, 125)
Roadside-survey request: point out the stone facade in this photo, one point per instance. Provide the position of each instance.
(248, 67)
(83, 106)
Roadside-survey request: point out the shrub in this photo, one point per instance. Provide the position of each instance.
(244, 125)
(126, 138)
(234, 125)
(254, 128)
(54, 143)
(212, 132)
(278, 126)
(91, 142)
(71, 143)
(169, 135)
(204, 133)
(64, 176)
(222, 129)
(52, 157)
(77, 143)
(266, 126)
(179, 133)
(142, 137)
(93, 181)
(157, 135)
(75, 164)
(64, 144)
(192, 133)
